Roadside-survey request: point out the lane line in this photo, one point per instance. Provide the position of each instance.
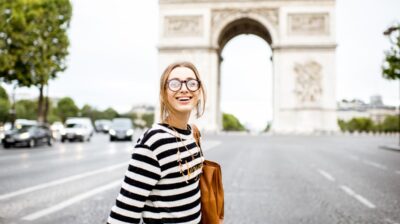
(377, 165)
(61, 181)
(71, 201)
(360, 198)
(326, 175)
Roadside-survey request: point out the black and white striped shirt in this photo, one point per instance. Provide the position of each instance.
(154, 189)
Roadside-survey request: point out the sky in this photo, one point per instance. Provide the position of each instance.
(113, 59)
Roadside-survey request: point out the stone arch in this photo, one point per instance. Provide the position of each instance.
(265, 27)
(301, 34)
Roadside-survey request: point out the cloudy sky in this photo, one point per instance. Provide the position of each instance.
(113, 59)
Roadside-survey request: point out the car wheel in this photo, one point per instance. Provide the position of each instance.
(111, 139)
(50, 141)
(6, 146)
(63, 140)
(31, 143)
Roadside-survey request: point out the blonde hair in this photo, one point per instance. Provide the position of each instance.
(165, 106)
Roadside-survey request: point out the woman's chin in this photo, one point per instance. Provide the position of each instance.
(184, 109)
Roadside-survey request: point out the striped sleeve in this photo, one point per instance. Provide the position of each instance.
(142, 175)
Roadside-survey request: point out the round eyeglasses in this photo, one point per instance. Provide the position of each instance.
(191, 84)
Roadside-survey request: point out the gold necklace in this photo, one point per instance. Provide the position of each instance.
(179, 160)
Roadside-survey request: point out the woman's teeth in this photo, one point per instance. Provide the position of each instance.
(183, 98)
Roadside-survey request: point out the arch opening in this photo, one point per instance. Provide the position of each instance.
(243, 26)
(255, 74)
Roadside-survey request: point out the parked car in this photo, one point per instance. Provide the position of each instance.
(28, 135)
(102, 125)
(77, 129)
(121, 129)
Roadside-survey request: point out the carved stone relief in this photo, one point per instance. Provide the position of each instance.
(308, 24)
(218, 15)
(191, 26)
(308, 82)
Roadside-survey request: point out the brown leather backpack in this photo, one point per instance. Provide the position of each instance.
(212, 191)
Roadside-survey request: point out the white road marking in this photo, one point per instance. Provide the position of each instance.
(71, 201)
(326, 175)
(61, 181)
(360, 198)
(377, 165)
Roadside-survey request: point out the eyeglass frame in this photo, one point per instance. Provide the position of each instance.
(183, 81)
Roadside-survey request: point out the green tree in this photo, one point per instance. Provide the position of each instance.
(361, 124)
(66, 108)
(391, 65)
(3, 94)
(231, 123)
(149, 119)
(33, 42)
(4, 105)
(26, 109)
(88, 111)
(109, 114)
(390, 124)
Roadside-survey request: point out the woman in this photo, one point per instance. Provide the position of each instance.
(161, 184)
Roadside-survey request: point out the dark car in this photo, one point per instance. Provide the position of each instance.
(28, 135)
(121, 129)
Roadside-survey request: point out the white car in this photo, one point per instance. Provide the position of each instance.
(77, 129)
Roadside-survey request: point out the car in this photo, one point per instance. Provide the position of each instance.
(77, 129)
(28, 135)
(102, 125)
(121, 129)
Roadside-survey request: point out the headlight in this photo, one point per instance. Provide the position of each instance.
(112, 132)
(25, 135)
(129, 132)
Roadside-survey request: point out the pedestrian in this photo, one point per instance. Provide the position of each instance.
(161, 184)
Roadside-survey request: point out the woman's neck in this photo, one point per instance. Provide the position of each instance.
(178, 120)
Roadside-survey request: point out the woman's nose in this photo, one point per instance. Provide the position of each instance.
(184, 88)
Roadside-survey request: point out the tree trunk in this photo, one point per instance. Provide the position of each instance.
(46, 105)
(40, 104)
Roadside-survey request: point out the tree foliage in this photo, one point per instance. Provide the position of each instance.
(67, 108)
(391, 65)
(26, 109)
(363, 124)
(231, 123)
(33, 42)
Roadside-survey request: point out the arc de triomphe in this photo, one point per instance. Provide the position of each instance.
(301, 34)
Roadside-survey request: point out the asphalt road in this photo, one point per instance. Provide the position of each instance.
(267, 179)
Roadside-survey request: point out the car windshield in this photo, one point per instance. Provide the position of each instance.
(122, 124)
(73, 125)
(23, 129)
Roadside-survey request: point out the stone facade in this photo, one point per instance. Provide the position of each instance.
(300, 33)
